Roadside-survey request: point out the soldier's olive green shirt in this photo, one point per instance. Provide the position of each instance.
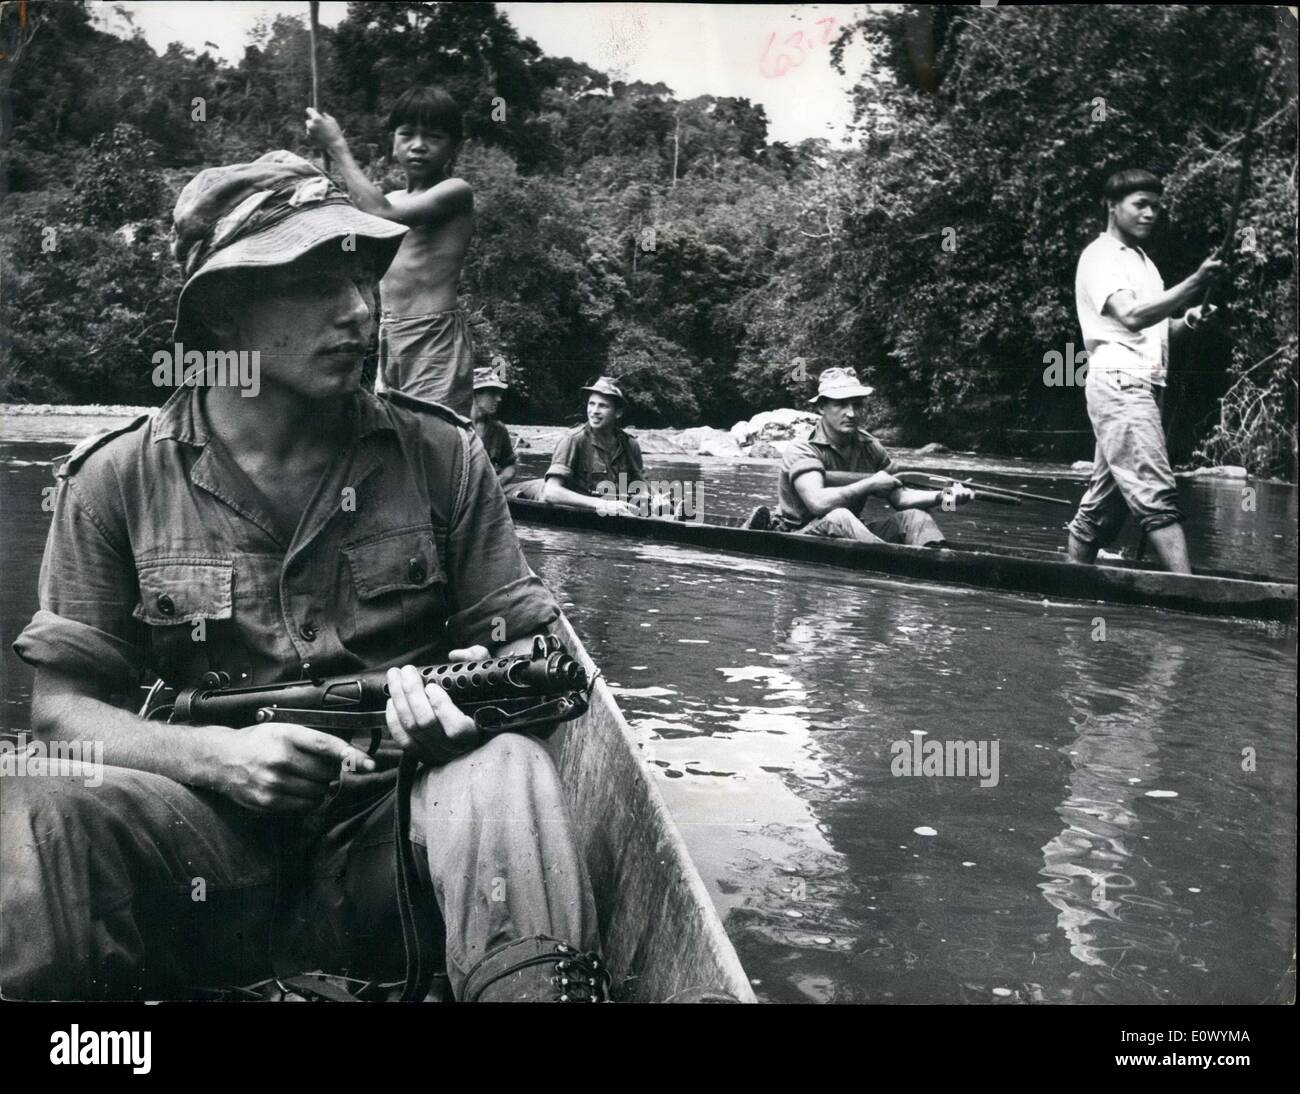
(496, 441)
(866, 454)
(164, 557)
(584, 462)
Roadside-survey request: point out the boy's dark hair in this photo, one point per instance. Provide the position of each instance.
(429, 107)
(1128, 181)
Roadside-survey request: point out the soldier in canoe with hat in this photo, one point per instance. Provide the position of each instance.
(312, 530)
(592, 459)
(809, 506)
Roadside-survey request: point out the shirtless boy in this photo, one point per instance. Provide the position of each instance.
(424, 341)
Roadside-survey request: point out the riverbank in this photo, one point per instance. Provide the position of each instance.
(49, 423)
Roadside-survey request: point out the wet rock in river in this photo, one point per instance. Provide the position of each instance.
(656, 444)
(1224, 471)
(703, 441)
(782, 424)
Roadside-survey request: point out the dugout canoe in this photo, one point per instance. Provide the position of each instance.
(660, 933)
(1018, 570)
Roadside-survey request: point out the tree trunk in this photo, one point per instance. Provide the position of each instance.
(677, 132)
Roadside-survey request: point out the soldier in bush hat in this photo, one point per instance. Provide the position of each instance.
(589, 460)
(838, 443)
(488, 387)
(311, 530)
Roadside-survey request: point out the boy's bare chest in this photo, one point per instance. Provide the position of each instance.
(446, 241)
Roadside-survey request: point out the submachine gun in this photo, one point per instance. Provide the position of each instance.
(529, 694)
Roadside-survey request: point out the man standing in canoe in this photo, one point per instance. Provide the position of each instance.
(488, 387)
(313, 530)
(1127, 319)
(424, 341)
(808, 505)
(589, 460)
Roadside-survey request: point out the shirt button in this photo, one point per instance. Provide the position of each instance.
(166, 605)
(308, 632)
(415, 568)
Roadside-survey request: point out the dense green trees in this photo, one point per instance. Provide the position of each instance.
(992, 130)
(623, 230)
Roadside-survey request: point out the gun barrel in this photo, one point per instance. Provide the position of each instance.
(547, 672)
(507, 677)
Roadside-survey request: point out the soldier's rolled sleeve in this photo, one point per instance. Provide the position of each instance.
(488, 577)
(88, 592)
(799, 458)
(564, 460)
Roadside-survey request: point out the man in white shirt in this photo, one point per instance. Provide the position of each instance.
(1127, 319)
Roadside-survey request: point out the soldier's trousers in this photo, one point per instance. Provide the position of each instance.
(130, 885)
(911, 526)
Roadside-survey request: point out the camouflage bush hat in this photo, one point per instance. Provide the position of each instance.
(839, 383)
(608, 386)
(263, 214)
(489, 378)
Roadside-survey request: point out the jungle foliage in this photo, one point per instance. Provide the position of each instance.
(622, 230)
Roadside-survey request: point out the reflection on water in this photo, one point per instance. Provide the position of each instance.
(767, 697)
(1113, 761)
(1138, 847)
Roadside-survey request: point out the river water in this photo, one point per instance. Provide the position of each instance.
(1137, 843)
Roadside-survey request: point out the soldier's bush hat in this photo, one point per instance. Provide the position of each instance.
(606, 385)
(267, 213)
(486, 377)
(839, 383)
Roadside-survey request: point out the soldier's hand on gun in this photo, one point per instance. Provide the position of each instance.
(617, 507)
(663, 507)
(417, 709)
(958, 494)
(322, 130)
(279, 767)
(883, 483)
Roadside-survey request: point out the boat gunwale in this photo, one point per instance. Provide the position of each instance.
(1001, 568)
(671, 844)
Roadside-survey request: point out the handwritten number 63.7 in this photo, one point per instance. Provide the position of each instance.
(772, 64)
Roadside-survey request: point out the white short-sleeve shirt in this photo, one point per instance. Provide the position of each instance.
(1105, 267)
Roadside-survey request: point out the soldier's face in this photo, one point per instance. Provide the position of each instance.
(602, 411)
(842, 416)
(311, 322)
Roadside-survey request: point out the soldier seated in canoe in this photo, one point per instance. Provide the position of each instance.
(597, 465)
(826, 480)
(313, 530)
(488, 386)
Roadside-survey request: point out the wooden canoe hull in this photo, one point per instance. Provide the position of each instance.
(1037, 573)
(657, 921)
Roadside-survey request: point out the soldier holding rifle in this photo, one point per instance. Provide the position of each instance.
(311, 531)
(810, 505)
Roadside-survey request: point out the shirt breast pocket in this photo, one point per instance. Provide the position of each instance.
(187, 605)
(398, 594)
